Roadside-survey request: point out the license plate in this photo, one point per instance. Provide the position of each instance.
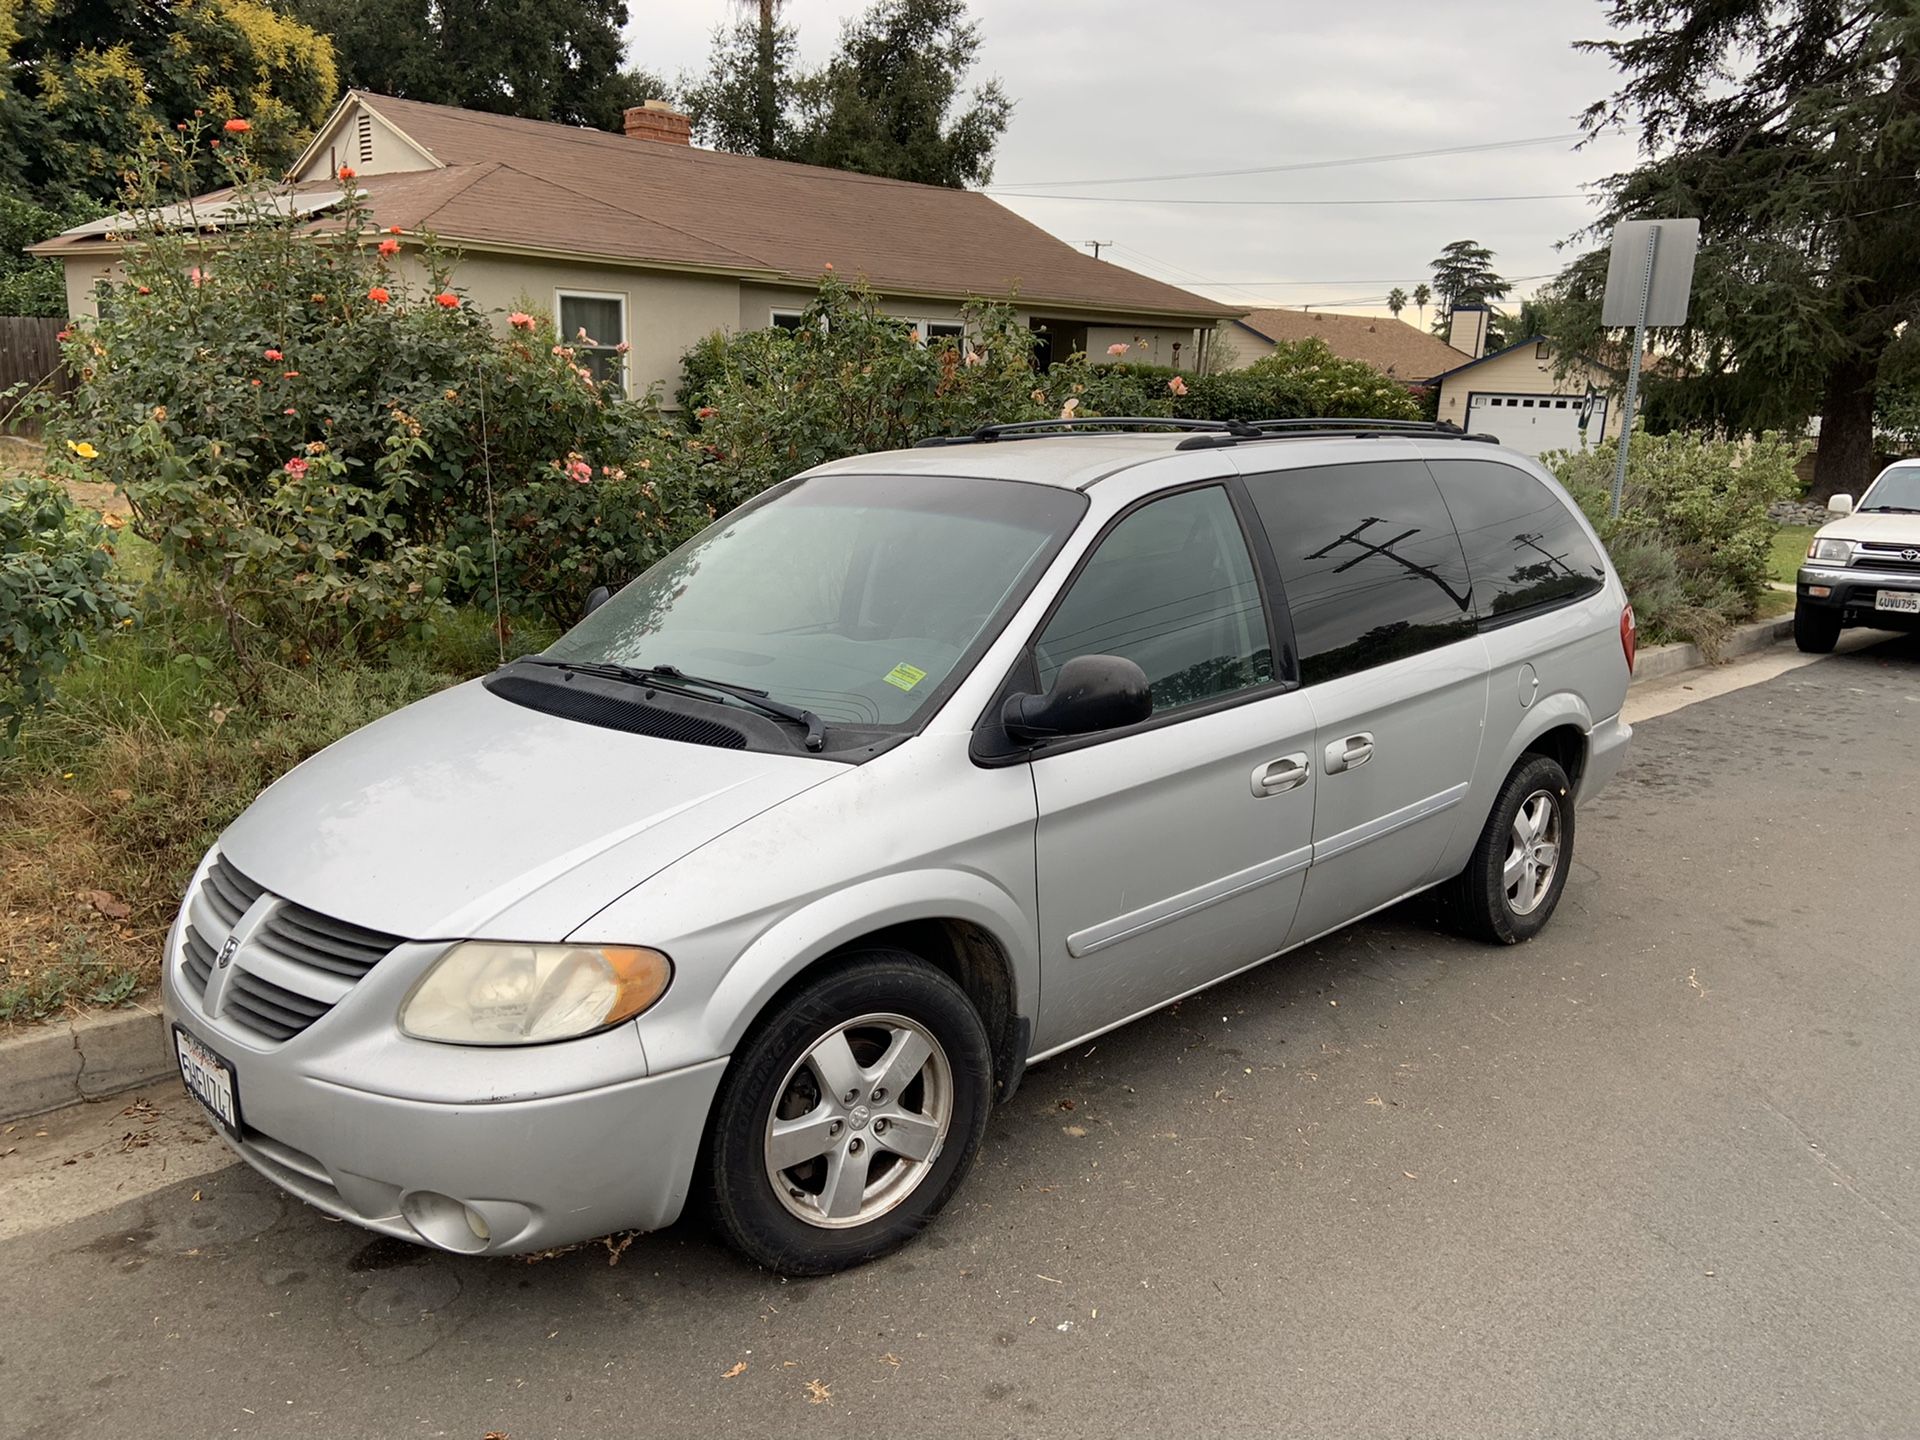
(1904, 602)
(209, 1080)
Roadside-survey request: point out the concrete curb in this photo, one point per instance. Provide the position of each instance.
(52, 1066)
(1660, 661)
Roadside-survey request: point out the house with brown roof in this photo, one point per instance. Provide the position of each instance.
(646, 241)
(1391, 346)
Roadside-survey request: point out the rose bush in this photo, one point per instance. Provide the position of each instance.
(325, 451)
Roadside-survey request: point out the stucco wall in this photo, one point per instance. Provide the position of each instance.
(82, 276)
(665, 312)
(1525, 371)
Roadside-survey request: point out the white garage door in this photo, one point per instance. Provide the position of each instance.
(1535, 424)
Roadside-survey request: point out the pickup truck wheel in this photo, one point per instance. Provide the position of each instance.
(1519, 867)
(1815, 631)
(849, 1115)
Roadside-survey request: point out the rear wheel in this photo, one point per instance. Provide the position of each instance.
(1815, 630)
(849, 1115)
(1519, 866)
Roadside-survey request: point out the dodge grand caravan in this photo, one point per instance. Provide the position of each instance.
(757, 888)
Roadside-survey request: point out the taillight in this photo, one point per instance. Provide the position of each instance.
(1629, 636)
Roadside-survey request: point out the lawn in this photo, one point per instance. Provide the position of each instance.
(1789, 549)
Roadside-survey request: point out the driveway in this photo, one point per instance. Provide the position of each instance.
(1653, 1174)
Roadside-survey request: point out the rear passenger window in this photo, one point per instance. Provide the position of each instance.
(1172, 589)
(1372, 567)
(1525, 550)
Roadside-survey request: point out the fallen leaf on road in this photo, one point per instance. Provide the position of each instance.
(1410, 1175)
(1066, 1104)
(890, 1359)
(1074, 1130)
(818, 1394)
(740, 1368)
(1376, 1100)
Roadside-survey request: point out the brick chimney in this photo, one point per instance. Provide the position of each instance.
(659, 121)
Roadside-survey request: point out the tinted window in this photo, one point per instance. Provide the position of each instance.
(1372, 567)
(1524, 548)
(1172, 589)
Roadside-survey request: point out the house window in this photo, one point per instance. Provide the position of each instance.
(603, 318)
(787, 319)
(943, 330)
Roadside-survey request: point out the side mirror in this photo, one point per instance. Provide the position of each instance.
(1840, 505)
(1091, 692)
(597, 597)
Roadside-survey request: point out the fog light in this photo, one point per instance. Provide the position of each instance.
(1819, 592)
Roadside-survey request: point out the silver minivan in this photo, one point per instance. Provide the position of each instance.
(765, 882)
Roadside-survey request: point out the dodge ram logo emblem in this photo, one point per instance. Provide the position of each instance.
(226, 951)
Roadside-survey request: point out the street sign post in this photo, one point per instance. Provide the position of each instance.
(1649, 281)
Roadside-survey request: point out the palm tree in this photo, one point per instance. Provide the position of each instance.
(1422, 294)
(1396, 301)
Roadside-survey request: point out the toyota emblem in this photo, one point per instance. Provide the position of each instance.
(1910, 555)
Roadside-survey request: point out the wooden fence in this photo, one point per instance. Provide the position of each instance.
(29, 354)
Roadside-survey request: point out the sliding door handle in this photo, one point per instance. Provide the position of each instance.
(1350, 753)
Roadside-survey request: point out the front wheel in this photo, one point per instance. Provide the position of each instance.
(849, 1115)
(1815, 630)
(1510, 887)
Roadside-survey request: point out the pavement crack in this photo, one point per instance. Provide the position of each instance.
(1840, 1177)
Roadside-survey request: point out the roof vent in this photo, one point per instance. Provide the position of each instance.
(658, 121)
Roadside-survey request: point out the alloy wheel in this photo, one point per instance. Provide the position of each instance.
(1533, 852)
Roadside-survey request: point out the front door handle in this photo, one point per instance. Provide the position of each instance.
(1276, 777)
(1350, 753)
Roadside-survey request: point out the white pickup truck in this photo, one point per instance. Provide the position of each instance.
(1863, 567)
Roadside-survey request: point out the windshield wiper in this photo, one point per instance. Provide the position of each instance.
(672, 677)
(1888, 510)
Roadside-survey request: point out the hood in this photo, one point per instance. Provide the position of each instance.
(466, 816)
(1888, 529)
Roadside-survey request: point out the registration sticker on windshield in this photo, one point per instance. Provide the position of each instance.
(905, 676)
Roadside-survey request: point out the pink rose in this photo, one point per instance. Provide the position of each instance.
(297, 468)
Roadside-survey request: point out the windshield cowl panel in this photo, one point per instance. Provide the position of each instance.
(863, 599)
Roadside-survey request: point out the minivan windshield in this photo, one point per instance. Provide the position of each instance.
(1897, 489)
(855, 596)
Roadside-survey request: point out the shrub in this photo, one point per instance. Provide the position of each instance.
(325, 452)
(1702, 504)
(56, 591)
(1301, 380)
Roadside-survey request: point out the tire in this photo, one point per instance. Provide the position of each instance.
(1816, 631)
(1488, 902)
(877, 1004)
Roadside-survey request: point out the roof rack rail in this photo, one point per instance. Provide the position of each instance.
(1037, 429)
(1358, 427)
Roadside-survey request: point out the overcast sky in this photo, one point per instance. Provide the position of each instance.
(1122, 88)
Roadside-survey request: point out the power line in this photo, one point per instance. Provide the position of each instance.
(1307, 164)
(1397, 200)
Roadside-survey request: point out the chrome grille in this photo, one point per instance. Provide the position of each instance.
(296, 966)
(1877, 556)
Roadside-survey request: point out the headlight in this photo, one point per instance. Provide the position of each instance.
(1841, 550)
(484, 993)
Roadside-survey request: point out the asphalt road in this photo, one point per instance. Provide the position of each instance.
(1653, 1174)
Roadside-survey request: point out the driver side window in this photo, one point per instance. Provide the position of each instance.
(1172, 589)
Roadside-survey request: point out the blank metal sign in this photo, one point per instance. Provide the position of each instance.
(1672, 272)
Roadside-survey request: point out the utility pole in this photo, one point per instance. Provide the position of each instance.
(1096, 246)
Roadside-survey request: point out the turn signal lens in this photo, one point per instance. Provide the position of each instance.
(1629, 636)
(485, 993)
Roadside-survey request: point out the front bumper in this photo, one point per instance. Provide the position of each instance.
(1851, 590)
(541, 1165)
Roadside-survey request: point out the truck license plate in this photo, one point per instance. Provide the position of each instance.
(1905, 602)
